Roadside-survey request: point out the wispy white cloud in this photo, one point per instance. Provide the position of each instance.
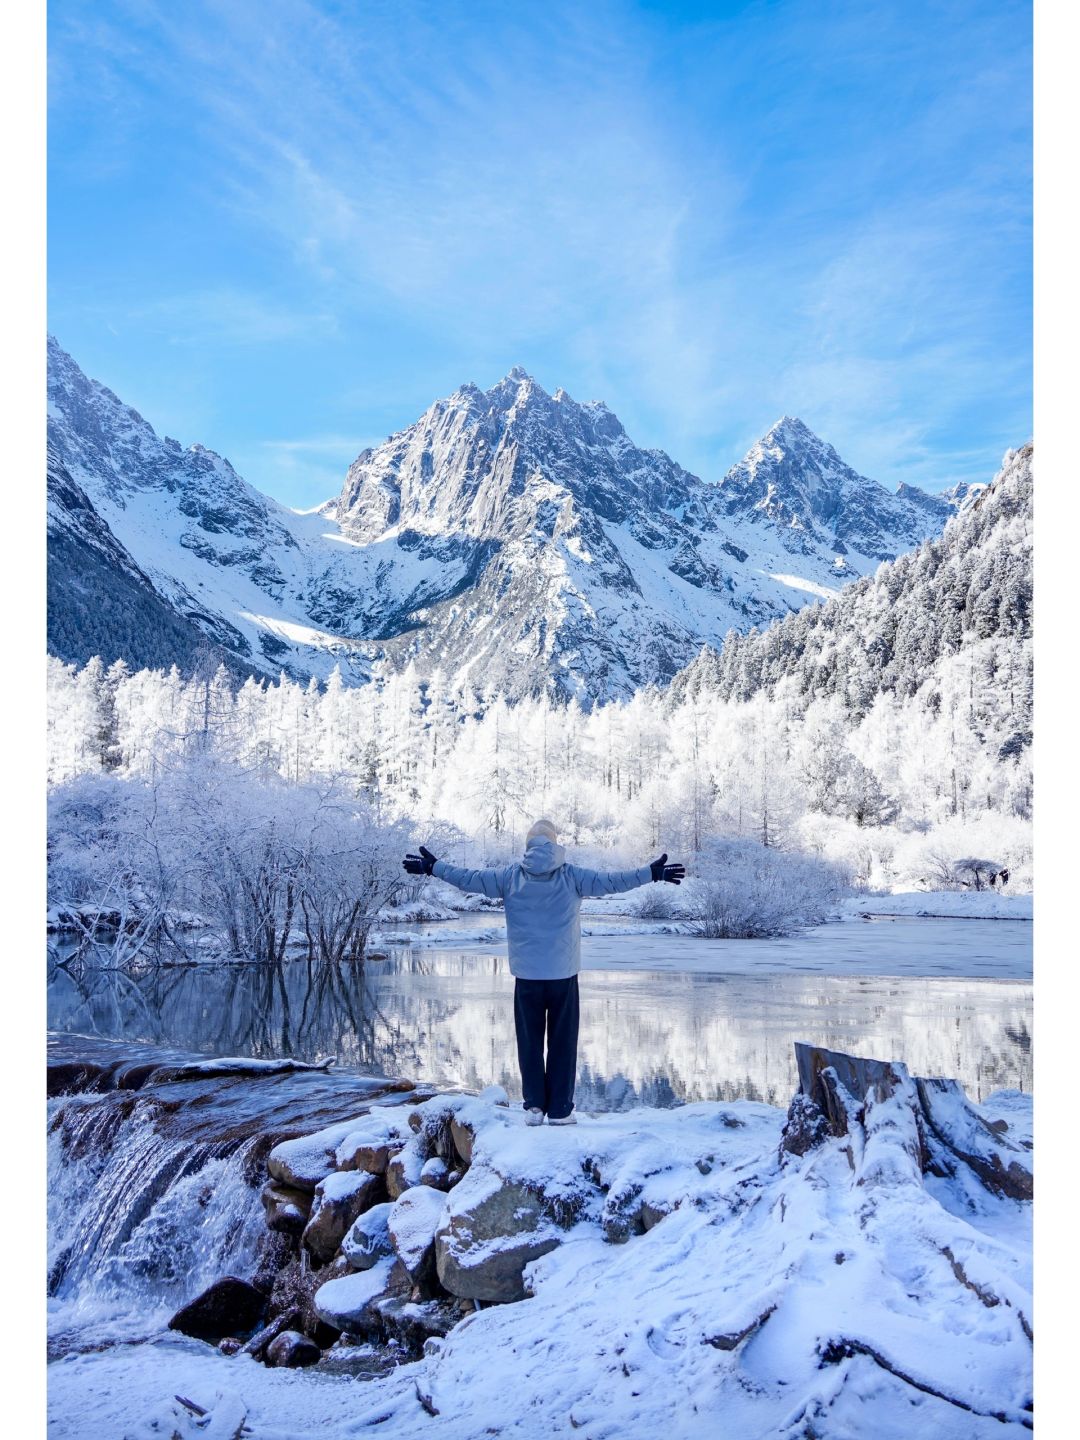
(307, 468)
(682, 218)
(230, 317)
(319, 445)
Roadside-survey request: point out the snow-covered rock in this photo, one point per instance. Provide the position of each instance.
(368, 1239)
(345, 1302)
(303, 1162)
(435, 1172)
(412, 1225)
(494, 1228)
(404, 1171)
(339, 1200)
(370, 1145)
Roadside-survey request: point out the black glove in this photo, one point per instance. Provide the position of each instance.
(422, 864)
(661, 870)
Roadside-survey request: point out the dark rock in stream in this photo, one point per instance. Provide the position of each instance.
(257, 1344)
(71, 1078)
(229, 1307)
(290, 1350)
(287, 1209)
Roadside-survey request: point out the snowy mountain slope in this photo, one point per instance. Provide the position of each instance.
(274, 588)
(99, 601)
(517, 539)
(965, 592)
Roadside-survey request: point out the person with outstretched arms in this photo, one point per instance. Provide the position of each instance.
(542, 894)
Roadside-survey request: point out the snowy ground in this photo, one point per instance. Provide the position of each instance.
(838, 1294)
(956, 904)
(621, 1341)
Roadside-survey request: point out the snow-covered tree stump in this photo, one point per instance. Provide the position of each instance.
(944, 1134)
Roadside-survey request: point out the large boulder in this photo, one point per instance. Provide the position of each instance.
(368, 1238)
(229, 1307)
(494, 1228)
(339, 1199)
(413, 1223)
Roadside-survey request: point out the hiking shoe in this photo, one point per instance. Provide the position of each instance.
(534, 1116)
(564, 1120)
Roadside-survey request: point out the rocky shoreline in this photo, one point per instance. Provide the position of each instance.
(389, 1228)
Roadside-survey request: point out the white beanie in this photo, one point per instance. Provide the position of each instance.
(545, 828)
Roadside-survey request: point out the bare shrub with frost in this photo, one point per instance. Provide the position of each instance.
(744, 890)
(240, 853)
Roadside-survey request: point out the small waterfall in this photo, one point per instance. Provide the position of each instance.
(154, 1178)
(141, 1219)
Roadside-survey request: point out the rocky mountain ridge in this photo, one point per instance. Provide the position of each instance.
(518, 541)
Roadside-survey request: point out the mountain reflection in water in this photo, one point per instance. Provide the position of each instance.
(658, 1038)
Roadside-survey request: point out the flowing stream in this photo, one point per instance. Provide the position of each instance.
(154, 1192)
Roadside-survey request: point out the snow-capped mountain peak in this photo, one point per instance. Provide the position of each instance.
(795, 481)
(517, 540)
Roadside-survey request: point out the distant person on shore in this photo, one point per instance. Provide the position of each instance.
(542, 896)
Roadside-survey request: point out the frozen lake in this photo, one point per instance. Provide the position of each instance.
(877, 945)
(665, 1018)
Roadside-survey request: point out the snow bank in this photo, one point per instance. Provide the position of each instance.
(947, 904)
(713, 1268)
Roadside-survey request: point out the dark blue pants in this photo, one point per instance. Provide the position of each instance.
(550, 1005)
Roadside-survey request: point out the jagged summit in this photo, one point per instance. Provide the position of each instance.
(790, 427)
(795, 480)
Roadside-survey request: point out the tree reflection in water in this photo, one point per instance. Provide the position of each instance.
(646, 1037)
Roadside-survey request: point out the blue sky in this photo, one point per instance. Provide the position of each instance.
(283, 228)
